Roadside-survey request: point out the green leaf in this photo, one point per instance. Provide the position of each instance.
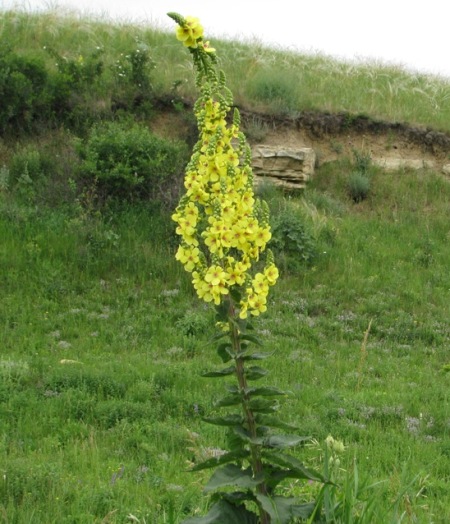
(255, 372)
(279, 510)
(266, 391)
(263, 405)
(230, 400)
(296, 467)
(227, 420)
(223, 512)
(245, 436)
(304, 511)
(253, 356)
(284, 441)
(250, 338)
(224, 351)
(283, 509)
(221, 373)
(221, 459)
(275, 422)
(232, 475)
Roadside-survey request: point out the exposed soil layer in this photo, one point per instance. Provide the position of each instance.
(331, 135)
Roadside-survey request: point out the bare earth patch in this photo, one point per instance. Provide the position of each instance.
(393, 146)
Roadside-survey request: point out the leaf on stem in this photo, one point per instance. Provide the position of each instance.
(224, 512)
(266, 391)
(294, 465)
(225, 352)
(250, 338)
(253, 356)
(220, 460)
(232, 475)
(221, 373)
(284, 441)
(255, 372)
(283, 509)
(275, 422)
(263, 405)
(229, 400)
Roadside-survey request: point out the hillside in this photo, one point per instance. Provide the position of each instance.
(107, 352)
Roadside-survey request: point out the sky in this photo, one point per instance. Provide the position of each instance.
(412, 35)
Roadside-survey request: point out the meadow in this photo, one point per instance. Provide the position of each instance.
(103, 339)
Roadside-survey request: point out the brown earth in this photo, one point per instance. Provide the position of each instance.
(392, 145)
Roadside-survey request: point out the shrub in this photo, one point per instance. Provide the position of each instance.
(292, 241)
(358, 186)
(29, 93)
(129, 162)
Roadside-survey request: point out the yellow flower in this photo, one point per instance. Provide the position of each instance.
(190, 32)
(189, 257)
(263, 235)
(271, 273)
(215, 275)
(208, 48)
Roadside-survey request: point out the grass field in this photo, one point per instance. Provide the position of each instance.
(103, 339)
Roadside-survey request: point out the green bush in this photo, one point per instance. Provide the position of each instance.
(127, 162)
(29, 93)
(292, 242)
(358, 186)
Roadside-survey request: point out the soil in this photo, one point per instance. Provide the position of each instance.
(335, 135)
(332, 136)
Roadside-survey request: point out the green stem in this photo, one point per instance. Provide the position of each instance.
(255, 449)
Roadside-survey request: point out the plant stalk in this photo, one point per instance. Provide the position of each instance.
(255, 450)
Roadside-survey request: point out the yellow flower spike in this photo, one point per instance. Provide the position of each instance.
(223, 228)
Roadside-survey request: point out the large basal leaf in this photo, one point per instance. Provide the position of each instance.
(283, 509)
(232, 475)
(294, 465)
(220, 373)
(222, 459)
(224, 512)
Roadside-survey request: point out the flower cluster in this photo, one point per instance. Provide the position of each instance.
(190, 32)
(223, 227)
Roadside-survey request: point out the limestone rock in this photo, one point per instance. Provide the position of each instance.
(446, 169)
(286, 167)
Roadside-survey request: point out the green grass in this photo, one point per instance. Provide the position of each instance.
(108, 435)
(103, 339)
(274, 80)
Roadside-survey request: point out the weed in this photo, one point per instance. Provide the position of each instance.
(358, 187)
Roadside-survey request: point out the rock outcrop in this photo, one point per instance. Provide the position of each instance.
(286, 167)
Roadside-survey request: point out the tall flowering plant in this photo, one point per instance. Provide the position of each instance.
(224, 231)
